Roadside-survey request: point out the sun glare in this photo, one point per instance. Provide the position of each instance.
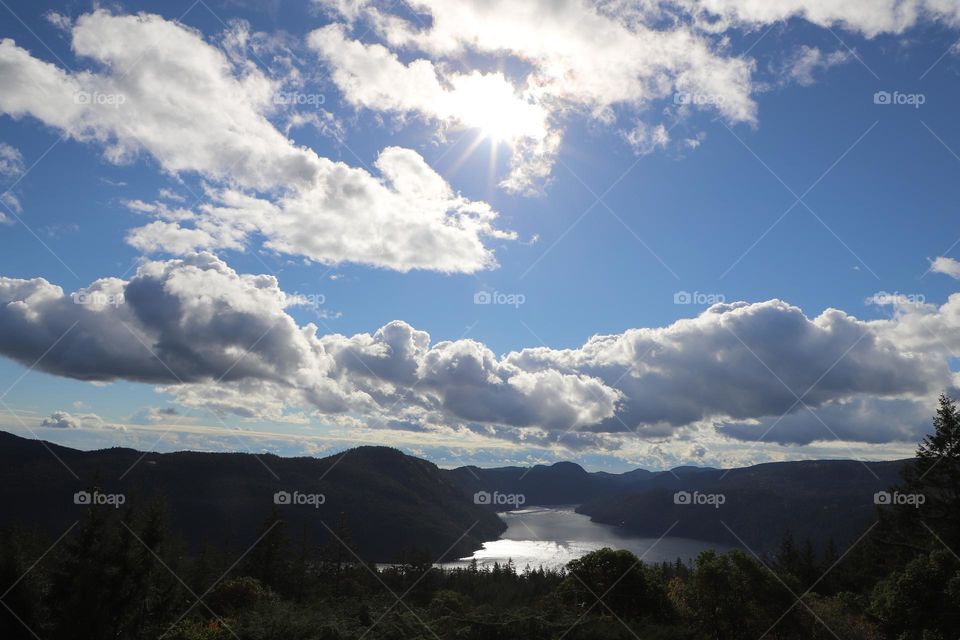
(491, 104)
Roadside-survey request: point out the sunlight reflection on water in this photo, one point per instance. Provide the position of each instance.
(553, 536)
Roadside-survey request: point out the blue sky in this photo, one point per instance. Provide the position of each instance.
(788, 185)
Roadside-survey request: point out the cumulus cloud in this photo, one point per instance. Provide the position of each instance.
(160, 89)
(868, 17)
(947, 266)
(465, 379)
(744, 361)
(220, 340)
(65, 420)
(189, 129)
(370, 76)
(184, 320)
(870, 420)
(373, 77)
(922, 327)
(581, 54)
(577, 56)
(600, 59)
(412, 220)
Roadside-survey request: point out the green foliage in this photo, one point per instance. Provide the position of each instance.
(733, 594)
(608, 582)
(236, 595)
(22, 588)
(921, 600)
(936, 476)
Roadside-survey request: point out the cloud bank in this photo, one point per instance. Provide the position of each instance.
(226, 341)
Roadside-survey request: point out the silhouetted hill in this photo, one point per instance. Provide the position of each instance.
(391, 501)
(565, 482)
(559, 483)
(821, 500)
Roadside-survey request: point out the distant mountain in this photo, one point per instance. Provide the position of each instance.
(390, 501)
(564, 482)
(818, 499)
(559, 483)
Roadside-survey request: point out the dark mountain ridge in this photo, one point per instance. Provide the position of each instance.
(818, 499)
(392, 502)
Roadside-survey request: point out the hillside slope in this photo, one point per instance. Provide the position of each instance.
(818, 499)
(390, 501)
(822, 500)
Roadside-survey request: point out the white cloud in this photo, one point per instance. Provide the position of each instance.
(869, 17)
(576, 57)
(170, 194)
(162, 90)
(947, 266)
(581, 54)
(803, 66)
(601, 59)
(372, 77)
(11, 168)
(412, 219)
(65, 420)
(58, 20)
(11, 161)
(646, 139)
(744, 361)
(158, 415)
(224, 341)
(197, 114)
(869, 420)
(219, 340)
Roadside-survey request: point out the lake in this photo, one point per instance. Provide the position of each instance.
(553, 536)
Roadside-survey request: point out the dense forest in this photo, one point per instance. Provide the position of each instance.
(120, 573)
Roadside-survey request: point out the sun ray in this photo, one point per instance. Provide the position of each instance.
(477, 141)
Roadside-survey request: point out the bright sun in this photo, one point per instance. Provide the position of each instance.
(491, 104)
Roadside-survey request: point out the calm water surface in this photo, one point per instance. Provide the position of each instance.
(553, 536)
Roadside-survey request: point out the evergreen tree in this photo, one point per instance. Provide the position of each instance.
(616, 578)
(20, 589)
(269, 559)
(932, 488)
(807, 571)
(84, 584)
